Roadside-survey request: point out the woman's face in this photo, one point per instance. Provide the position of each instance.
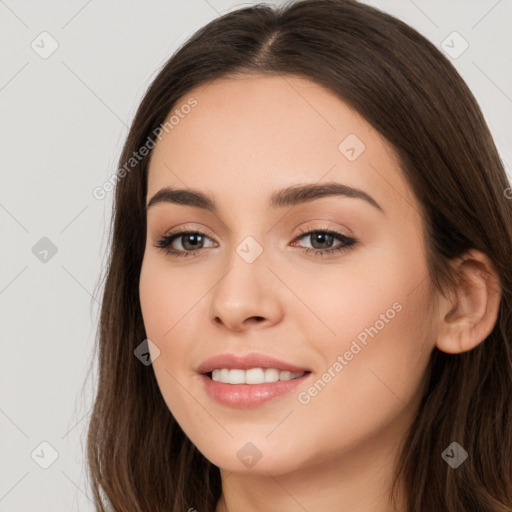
(356, 319)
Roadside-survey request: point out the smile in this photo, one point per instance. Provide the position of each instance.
(247, 396)
(253, 375)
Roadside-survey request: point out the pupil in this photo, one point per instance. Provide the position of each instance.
(321, 236)
(196, 239)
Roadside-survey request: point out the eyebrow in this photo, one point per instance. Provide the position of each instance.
(289, 196)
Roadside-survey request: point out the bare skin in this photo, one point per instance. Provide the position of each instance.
(334, 449)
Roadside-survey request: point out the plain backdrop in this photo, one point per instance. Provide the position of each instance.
(63, 119)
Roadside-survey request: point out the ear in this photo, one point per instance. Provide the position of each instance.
(469, 315)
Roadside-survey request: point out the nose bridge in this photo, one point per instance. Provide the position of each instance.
(247, 237)
(244, 292)
(250, 249)
(246, 271)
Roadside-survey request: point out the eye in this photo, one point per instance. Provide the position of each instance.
(193, 241)
(322, 237)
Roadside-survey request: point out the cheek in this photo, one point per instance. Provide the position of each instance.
(338, 301)
(372, 377)
(380, 339)
(165, 299)
(172, 302)
(165, 296)
(377, 297)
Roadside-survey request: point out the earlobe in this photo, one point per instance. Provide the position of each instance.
(469, 316)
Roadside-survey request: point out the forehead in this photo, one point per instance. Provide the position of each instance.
(248, 136)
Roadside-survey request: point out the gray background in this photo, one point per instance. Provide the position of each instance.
(63, 121)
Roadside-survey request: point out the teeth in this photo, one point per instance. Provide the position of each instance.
(253, 376)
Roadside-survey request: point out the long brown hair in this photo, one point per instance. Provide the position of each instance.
(139, 458)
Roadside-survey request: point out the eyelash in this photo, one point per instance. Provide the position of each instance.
(348, 242)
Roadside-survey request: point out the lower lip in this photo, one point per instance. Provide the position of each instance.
(246, 396)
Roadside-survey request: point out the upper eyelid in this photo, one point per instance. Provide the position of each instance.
(187, 228)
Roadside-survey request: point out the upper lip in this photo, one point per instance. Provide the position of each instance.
(246, 362)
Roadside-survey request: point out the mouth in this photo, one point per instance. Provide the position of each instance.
(253, 376)
(253, 391)
(249, 380)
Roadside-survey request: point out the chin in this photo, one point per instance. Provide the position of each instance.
(255, 458)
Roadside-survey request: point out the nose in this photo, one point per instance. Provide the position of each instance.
(248, 295)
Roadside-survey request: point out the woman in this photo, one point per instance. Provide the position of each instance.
(370, 373)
